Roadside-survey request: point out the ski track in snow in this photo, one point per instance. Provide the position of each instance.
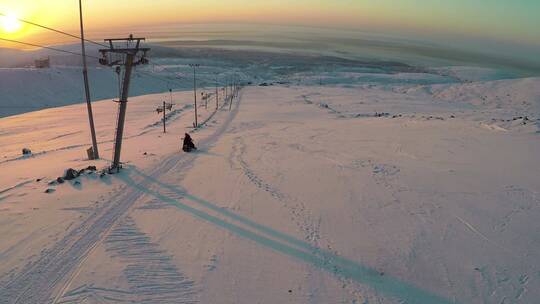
(297, 209)
(39, 280)
(15, 186)
(150, 273)
(480, 234)
(301, 217)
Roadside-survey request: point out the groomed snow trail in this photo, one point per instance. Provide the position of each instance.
(40, 281)
(149, 271)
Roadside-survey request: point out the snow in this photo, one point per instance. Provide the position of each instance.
(385, 191)
(28, 89)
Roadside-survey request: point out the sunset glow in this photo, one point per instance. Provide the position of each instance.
(508, 21)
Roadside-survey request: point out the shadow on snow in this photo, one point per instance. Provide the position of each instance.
(289, 245)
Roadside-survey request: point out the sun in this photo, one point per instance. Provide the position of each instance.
(9, 23)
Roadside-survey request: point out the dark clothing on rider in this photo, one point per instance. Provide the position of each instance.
(188, 145)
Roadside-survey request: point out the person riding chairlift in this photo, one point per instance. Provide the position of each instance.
(188, 145)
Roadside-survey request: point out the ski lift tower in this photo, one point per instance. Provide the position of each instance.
(194, 66)
(127, 53)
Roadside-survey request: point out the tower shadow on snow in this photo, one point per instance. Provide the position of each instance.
(288, 245)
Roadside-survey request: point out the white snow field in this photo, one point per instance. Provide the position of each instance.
(369, 193)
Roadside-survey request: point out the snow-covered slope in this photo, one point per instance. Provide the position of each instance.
(507, 104)
(25, 89)
(368, 193)
(523, 94)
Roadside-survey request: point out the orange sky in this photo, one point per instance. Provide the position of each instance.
(493, 19)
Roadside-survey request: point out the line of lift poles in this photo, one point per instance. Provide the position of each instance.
(231, 81)
(127, 57)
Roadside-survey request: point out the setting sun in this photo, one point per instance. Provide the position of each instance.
(9, 23)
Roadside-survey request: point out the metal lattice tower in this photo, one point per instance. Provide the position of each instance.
(126, 56)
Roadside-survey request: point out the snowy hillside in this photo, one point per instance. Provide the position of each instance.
(381, 192)
(25, 90)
